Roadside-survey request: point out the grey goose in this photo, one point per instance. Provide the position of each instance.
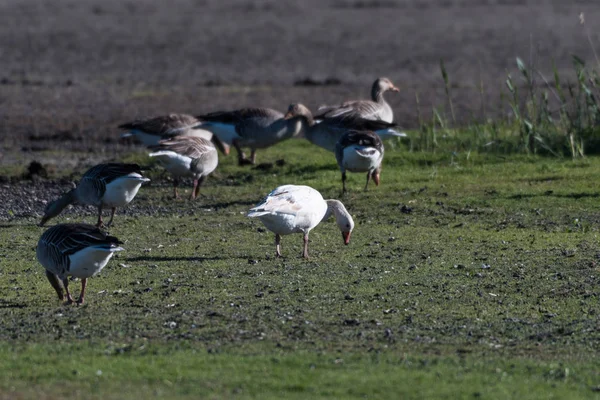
(376, 108)
(360, 152)
(187, 156)
(257, 128)
(78, 250)
(109, 185)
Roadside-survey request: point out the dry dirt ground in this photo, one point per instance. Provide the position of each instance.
(73, 70)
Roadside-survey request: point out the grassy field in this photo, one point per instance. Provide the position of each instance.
(468, 276)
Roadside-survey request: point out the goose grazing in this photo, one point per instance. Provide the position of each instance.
(78, 250)
(104, 186)
(360, 152)
(151, 131)
(257, 128)
(298, 209)
(328, 131)
(376, 108)
(187, 156)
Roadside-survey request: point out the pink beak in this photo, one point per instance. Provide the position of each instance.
(394, 89)
(346, 236)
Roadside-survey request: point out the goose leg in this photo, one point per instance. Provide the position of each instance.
(194, 189)
(253, 157)
(82, 295)
(343, 182)
(242, 160)
(277, 245)
(200, 182)
(55, 282)
(99, 223)
(368, 177)
(69, 297)
(112, 215)
(305, 252)
(175, 184)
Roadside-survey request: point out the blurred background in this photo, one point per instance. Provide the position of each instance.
(72, 70)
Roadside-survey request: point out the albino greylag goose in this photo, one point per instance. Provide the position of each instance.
(257, 128)
(187, 156)
(104, 186)
(151, 131)
(298, 209)
(360, 152)
(78, 250)
(376, 108)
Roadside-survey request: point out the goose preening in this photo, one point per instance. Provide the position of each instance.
(151, 131)
(104, 186)
(257, 128)
(298, 209)
(187, 156)
(376, 108)
(78, 250)
(360, 152)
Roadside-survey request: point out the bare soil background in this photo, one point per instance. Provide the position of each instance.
(73, 70)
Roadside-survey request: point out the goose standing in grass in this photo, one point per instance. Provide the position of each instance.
(298, 209)
(376, 108)
(187, 156)
(104, 186)
(78, 250)
(327, 132)
(257, 128)
(151, 131)
(360, 152)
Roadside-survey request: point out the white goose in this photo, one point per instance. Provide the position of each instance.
(257, 128)
(298, 209)
(376, 108)
(104, 186)
(360, 152)
(187, 156)
(151, 131)
(78, 250)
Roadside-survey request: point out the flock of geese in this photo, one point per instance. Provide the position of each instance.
(186, 146)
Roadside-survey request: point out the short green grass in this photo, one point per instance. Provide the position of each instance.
(468, 276)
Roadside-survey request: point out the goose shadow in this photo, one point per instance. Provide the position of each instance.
(551, 193)
(225, 204)
(159, 258)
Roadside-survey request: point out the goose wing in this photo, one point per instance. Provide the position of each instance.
(166, 125)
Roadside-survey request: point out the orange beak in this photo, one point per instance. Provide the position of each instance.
(288, 115)
(346, 236)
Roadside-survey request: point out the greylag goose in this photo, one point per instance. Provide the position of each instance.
(104, 186)
(376, 108)
(78, 250)
(151, 131)
(298, 209)
(360, 152)
(257, 128)
(327, 132)
(187, 156)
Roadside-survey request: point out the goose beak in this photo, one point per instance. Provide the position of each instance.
(394, 89)
(288, 115)
(346, 236)
(222, 146)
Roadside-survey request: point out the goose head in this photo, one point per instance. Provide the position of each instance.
(299, 115)
(55, 207)
(382, 85)
(343, 219)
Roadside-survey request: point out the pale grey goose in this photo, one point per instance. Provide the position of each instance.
(109, 185)
(187, 156)
(298, 209)
(78, 250)
(360, 152)
(376, 108)
(257, 128)
(151, 131)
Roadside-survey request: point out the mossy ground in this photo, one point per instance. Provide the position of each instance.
(468, 276)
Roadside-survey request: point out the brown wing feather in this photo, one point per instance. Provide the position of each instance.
(190, 146)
